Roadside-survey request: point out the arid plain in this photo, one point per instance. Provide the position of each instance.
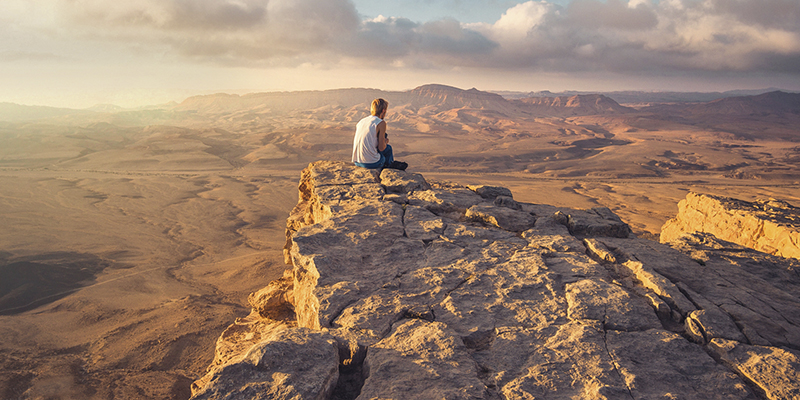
(129, 239)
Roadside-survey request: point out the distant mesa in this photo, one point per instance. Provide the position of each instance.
(440, 97)
(772, 103)
(14, 112)
(105, 108)
(768, 103)
(583, 104)
(443, 98)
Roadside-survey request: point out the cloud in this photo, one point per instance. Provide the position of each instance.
(621, 36)
(673, 36)
(399, 41)
(225, 31)
(765, 13)
(613, 14)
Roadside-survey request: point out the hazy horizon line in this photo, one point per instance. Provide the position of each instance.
(244, 92)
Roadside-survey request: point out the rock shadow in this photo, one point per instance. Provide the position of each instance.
(32, 281)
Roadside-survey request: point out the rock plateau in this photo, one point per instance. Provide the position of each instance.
(400, 288)
(770, 226)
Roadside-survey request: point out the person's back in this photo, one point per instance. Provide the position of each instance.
(365, 143)
(371, 147)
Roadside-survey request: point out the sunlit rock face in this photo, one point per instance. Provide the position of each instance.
(769, 226)
(420, 290)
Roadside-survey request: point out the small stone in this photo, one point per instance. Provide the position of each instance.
(490, 192)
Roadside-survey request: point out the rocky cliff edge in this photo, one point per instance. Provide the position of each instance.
(406, 289)
(771, 226)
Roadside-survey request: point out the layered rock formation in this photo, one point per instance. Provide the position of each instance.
(406, 289)
(769, 226)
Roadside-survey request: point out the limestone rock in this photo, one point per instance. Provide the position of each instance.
(709, 321)
(661, 364)
(776, 371)
(761, 293)
(571, 362)
(490, 192)
(422, 224)
(293, 364)
(599, 250)
(275, 300)
(445, 202)
(770, 226)
(610, 304)
(421, 360)
(417, 289)
(549, 234)
(396, 181)
(508, 202)
(599, 221)
(501, 217)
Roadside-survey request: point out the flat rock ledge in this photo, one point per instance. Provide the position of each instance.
(771, 226)
(400, 288)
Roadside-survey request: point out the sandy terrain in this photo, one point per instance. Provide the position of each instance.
(129, 241)
(123, 281)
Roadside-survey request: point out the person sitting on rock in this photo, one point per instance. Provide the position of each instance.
(371, 147)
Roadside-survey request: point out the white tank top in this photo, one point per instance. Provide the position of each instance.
(365, 142)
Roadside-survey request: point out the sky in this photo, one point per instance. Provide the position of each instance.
(78, 53)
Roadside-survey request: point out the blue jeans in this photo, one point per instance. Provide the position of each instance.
(386, 159)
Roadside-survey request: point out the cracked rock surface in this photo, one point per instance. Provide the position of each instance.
(424, 290)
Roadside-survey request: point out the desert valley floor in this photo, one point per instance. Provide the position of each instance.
(129, 240)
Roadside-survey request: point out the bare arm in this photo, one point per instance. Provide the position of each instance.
(382, 140)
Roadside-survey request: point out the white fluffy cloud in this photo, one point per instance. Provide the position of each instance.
(652, 37)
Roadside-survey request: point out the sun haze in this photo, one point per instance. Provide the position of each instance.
(62, 53)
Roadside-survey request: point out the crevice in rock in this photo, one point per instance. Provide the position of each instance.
(351, 379)
(669, 324)
(615, 363)
(403, 219)
(485, 376)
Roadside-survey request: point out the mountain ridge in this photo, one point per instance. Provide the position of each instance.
(442, 96)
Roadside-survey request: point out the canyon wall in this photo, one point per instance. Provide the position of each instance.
(400, 288)
(769, 226)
